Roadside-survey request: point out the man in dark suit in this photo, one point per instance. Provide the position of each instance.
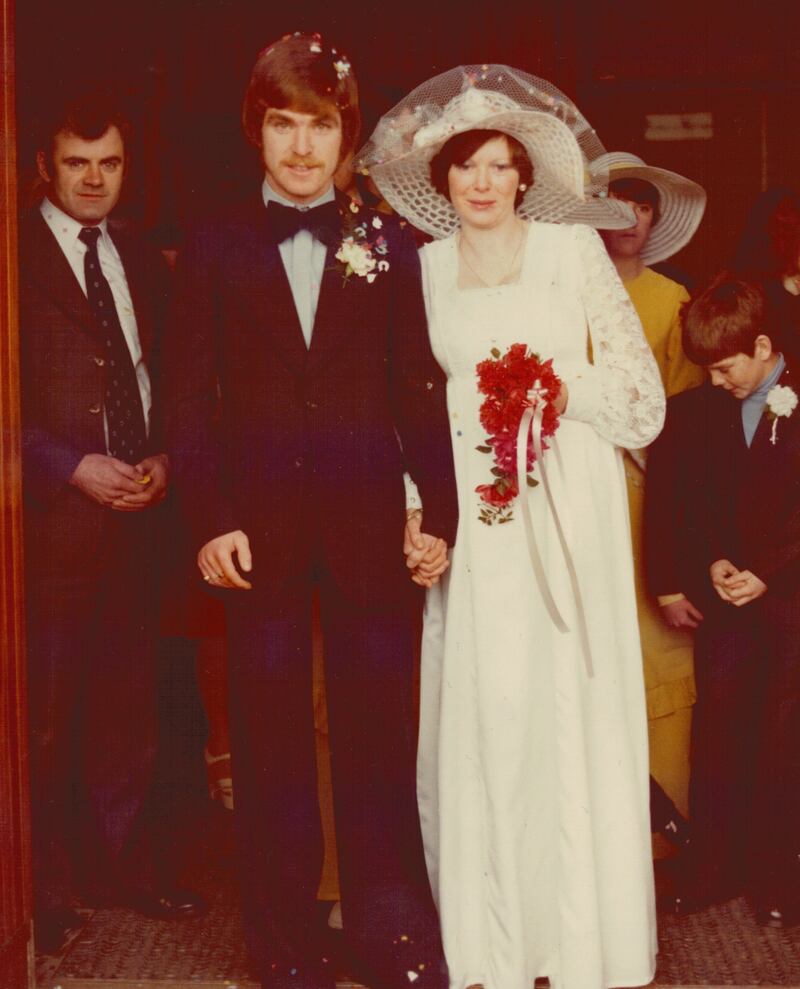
(302, 385)
(724, 480)
(91, 301)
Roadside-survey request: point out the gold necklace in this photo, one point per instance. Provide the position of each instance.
(509, 271)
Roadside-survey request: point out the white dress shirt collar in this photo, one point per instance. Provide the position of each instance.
(303, 258)
(66, 228)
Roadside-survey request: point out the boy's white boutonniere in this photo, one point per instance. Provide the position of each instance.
(364, 248)
(781, 401)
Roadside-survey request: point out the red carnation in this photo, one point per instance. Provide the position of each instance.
(507, 381)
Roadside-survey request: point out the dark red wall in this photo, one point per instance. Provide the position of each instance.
(185, 63)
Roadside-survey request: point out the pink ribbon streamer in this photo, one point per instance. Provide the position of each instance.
(531, 424)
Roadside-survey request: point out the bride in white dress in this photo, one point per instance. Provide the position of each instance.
(533, 778)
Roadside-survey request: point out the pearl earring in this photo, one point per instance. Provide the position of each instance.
(522, 187)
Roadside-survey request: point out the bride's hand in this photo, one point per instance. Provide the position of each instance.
(560, 404)
(433, 564)
(426, 555)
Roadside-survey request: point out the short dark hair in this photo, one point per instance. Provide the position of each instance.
(637, 191)
(87, 116)
(303, 74)
(770, 243)
(723, 320)
(784, 236)
(461, 147)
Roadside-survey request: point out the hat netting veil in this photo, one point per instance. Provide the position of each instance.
(559, 140)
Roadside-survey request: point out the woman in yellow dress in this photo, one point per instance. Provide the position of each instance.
(668, 211)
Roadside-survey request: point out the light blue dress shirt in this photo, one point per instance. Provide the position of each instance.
(753, 405)
(303, 258)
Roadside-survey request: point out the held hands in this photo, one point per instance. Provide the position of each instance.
(126, 488)
(426, 556)
(216, 561)
(737, 587)
(681, 614)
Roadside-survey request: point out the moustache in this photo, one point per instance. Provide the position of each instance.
(303, 162)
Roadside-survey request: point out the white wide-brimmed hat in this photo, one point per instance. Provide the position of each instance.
(558, 139)
(682, 202)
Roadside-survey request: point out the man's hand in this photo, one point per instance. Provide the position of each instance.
(744, 587)
(426, 555)
(216, 564)
(720, 571)
(152, 483)
(107, 480)
(681, 614)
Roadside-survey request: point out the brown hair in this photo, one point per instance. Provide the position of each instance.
(723, 320)
(298, 73)
(461, 147)
(87, 116)
(635, 190)
(784, 235)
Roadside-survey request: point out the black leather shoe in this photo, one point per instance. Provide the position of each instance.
(168, 903)
(777, 915)
(52, 928)
(666, 819)
(681, 902)
(286, 976)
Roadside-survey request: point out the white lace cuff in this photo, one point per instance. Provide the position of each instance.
(583, 393)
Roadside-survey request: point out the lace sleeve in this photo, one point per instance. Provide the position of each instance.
(621, 394)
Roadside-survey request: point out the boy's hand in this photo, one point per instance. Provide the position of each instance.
(720, 571)
(744, 587)
(681, 614)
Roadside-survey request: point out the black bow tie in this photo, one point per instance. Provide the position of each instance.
(321, 221)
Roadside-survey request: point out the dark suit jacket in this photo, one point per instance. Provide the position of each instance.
(711, 497)
(63, 382)
(293, 444)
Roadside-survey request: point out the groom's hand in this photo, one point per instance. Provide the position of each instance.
(216, 564)
(426, 555)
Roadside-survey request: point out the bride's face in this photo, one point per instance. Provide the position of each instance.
(484, 187)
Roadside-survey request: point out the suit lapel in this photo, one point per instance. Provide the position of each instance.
(335, 311)
(43, 262)
(340, 299)
(762, 445)
(259, 279)
(133, 264)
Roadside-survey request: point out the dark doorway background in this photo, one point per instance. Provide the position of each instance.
(184, 64)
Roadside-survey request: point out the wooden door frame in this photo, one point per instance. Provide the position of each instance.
(17, 969)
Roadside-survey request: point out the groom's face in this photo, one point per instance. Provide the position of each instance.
(301, 151)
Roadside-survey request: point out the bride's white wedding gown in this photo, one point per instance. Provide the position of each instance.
(533, 777)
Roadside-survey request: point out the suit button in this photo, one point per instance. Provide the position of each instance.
(100, 361)
(298, 462)
(311, 405)
(94, 409)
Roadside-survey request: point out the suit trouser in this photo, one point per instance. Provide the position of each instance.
(92, 703)
(745, 786)
(387, 906)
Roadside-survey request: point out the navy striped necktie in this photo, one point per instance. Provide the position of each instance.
(127, 435)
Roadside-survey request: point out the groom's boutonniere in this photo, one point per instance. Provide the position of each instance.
(781, 401)
(363, 250)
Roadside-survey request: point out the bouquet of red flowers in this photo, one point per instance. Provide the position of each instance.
(512, 382)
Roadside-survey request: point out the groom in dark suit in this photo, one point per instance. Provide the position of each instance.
(302, 385)
(92, 298)
(724, 478)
